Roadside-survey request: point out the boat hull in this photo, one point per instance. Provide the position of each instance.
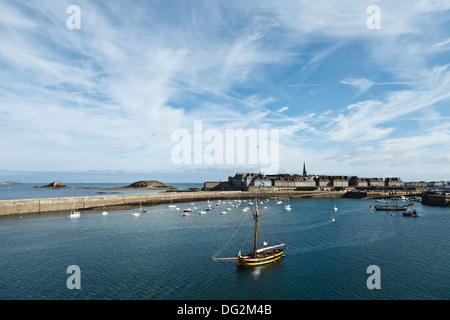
(390, 208)
(267, 257)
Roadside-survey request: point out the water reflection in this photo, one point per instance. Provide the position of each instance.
(257, 272)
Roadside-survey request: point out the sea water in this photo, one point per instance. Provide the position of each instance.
(163, 255)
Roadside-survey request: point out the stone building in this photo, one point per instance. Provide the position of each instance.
(376, 182)
(358, 182)
(394, 182)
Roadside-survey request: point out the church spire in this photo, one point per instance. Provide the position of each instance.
(304, 169)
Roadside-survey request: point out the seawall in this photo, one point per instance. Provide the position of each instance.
(122, 202)
(436, 199)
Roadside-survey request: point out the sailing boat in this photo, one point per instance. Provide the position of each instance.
(73, 213)
(396, 207)
(332, 218)
(171, 205)
(257, 256)
(288, 206)
(335, 208)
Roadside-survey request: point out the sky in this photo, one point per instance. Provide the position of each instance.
(116, 91)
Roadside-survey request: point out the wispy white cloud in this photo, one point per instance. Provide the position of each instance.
(374, 120)
(361, 84)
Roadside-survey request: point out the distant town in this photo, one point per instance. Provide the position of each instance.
(305, 182)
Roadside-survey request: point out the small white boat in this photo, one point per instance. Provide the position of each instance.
(287, 208)
(73, 213)
(279, 202)
(135, 214)
(335, 208)
(332, 219)
(223, 212)
(171, 206)
(105, 213)
(202, 212)
(228, 209)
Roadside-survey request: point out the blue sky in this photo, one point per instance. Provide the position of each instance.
(100, 103)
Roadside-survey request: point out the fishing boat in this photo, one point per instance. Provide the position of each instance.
(257, 256)
(408, 213)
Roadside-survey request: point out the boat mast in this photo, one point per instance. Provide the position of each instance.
(256, 217)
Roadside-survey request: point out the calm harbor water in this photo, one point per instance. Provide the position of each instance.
(162, 255)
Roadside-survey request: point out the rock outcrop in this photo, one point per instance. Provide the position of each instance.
(54, 184)
(146, 184)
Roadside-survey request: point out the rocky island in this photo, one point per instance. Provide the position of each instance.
(11, 182)
(54, 185)
(145, 184)
(140, 185)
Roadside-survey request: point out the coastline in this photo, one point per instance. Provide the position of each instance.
(131, 201)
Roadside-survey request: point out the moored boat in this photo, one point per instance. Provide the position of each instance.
(73, 213)
(392, 207)
(408, 213)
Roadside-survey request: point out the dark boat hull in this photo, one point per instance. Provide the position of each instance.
(390, 208)
(267, 257)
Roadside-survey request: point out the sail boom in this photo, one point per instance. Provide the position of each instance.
(269, 248)
(234, 258)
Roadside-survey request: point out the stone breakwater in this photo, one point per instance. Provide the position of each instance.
(123, 202)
